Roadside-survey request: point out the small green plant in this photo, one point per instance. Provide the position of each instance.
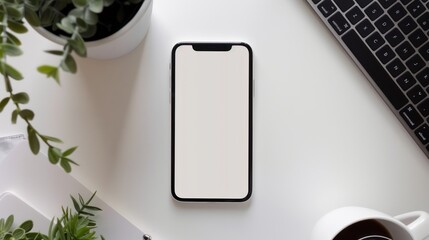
(73, 20)
(72, 225)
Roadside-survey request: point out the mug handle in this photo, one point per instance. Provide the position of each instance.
(417, 222)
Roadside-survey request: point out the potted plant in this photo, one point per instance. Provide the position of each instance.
(75, 224)
(94, 28)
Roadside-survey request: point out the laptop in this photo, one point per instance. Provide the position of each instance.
(388, 40)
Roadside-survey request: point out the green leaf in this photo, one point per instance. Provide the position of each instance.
(93, 208)
(8, 236)
(79, 3)
(65, 165)
(73, 162)
(33, 140)
(86, 213)
(36, 236)
(18, 233)
(10, 49)
(47, 16)
(77, 13)
(50, 71)
(96, 6)
(69, 151)
(17, 27)
(14, 116)
(69, 64)
(21, 98)
(14, 12)
(67, 25)
(78, 45)
(32, 4)
(52, 139)
(89, 32)
(3, 103)
(13, 73)
(8, 223)
(90, 17)
(81, 24)
(27, 114)
(12, 39)
(32, 17)
(27, 225)
(55, 52)
(75, 204)
(54, 155)
(61, 230)
(10, 71)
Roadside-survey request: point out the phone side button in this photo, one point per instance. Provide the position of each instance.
(169, 97)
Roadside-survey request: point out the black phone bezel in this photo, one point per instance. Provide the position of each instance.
(212, 46)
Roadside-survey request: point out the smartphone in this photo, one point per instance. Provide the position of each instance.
(211, 106)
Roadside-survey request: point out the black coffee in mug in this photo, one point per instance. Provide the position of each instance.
(364, 230)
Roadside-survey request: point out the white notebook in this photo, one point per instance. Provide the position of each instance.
(46, 188)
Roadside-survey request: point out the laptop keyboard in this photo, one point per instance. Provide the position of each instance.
(388, 39)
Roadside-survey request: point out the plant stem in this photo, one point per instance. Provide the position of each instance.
(9, 88)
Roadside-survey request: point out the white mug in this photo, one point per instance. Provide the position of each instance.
(408, 226)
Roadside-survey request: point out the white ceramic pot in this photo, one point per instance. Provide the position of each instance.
(118, 44)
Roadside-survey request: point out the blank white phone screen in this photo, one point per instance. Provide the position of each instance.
(211, 101)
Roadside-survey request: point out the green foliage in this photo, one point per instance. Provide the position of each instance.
(78, 19)
(74, 224)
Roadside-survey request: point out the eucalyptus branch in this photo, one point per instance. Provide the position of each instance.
(78, 19)
(12, 20)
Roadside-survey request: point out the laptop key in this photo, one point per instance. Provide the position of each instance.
(384, 24)
(423, 77)
(417, 38)
(416, 8)
(344, 5)
(327, 8)
(416, 94)
(387, 3)
(407, 25)
(397, 12)
(385, 54)
(374, 69)
(415, 63)
(424, 51)
(395, 37)
(375, 41)
(396, 67)
(423, 107)
(411, 116)
(339, 23)
(355, 15)
(365, 28)
(363, 3)
(374, 11)
(405, 50)
(422, 133)
(423, 21)
(406, 81)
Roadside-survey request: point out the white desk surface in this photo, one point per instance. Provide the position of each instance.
(323, 136)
